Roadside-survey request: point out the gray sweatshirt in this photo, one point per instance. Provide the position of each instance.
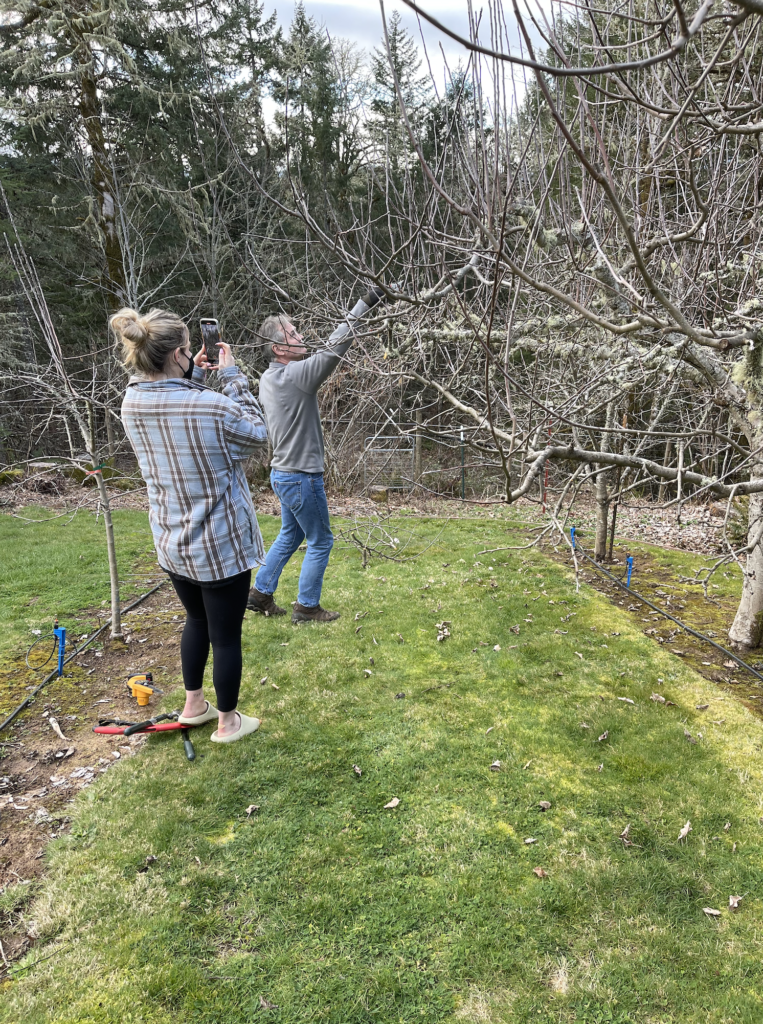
(289, 399)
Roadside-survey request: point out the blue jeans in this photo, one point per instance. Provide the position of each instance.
(304, 514)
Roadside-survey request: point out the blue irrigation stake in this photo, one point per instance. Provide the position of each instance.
(572, 536)
(629, 561)
(60, 632)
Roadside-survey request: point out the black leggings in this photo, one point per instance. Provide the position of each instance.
(213, 614)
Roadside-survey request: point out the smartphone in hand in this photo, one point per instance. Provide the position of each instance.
(210, 335)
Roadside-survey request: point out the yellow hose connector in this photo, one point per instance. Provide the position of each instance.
(140, 688)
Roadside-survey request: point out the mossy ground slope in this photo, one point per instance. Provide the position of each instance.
(322, 905)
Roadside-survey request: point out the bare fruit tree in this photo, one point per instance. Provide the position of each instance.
(53, 384)
(577, 243)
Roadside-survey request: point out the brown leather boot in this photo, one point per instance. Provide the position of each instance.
(317, 614)
(263, 604)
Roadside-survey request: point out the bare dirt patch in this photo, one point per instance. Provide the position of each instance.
(40, 774)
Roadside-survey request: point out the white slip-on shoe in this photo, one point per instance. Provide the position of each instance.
(248, 725)
(210, 715)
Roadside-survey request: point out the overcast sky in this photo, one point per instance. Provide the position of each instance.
(361, 21)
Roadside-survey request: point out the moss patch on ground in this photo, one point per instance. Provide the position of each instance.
(283, 886)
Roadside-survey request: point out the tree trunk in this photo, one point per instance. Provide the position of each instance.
(663, 488)
(601, 491)
(111, 448)
(747, 628)
(116, 615)
(417, 449)
(602, 515)
(104, 191)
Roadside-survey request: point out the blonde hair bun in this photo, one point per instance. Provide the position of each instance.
(128, 325)
(146, 340)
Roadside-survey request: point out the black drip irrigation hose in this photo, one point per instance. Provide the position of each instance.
(646, 601)
(54, 674)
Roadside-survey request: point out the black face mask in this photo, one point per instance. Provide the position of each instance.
(188, 372)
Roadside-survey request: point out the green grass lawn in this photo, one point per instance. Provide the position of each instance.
(59, 567)
(334, 909)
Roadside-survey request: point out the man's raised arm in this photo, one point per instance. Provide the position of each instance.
(310, 373)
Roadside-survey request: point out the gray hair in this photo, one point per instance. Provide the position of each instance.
(270, 333)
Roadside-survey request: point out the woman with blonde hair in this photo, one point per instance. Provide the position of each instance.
(191, 443)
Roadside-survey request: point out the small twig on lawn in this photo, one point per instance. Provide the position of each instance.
(42, 959)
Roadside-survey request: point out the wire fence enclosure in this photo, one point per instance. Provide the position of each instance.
(389, 462)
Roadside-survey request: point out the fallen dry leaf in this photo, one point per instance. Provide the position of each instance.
(544, 805)
(684, 831)
(443, 629)
(702, 707)
(584, 725)
(734, 902)
(603, 736)
(266, 1005)
(399, 696)
(579, 655)
(727, 826)
(151, 859)
(600, 768)
(710, 912)
(275, 686)
(657, 697)
(495, 766)
(530, 841)
(251, 809)
(360, 615)
(626, 831)
(727, 664)
(400, 638)
(357, 770)
(367, 672)
(626, 700)
(526, 766)
(392, 804)
(497, 647)
(489, 730)
(689, 736)
(540, 872)
(263, 680)
(57, 729)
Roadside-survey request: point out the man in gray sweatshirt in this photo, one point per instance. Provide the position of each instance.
(289, 399)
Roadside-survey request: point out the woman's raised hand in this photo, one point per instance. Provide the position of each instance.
(201, 358)
(226, 356)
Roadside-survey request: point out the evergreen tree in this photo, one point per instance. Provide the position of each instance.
(308, 95)
(386, 126)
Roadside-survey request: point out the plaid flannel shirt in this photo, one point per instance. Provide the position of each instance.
(191, 443)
